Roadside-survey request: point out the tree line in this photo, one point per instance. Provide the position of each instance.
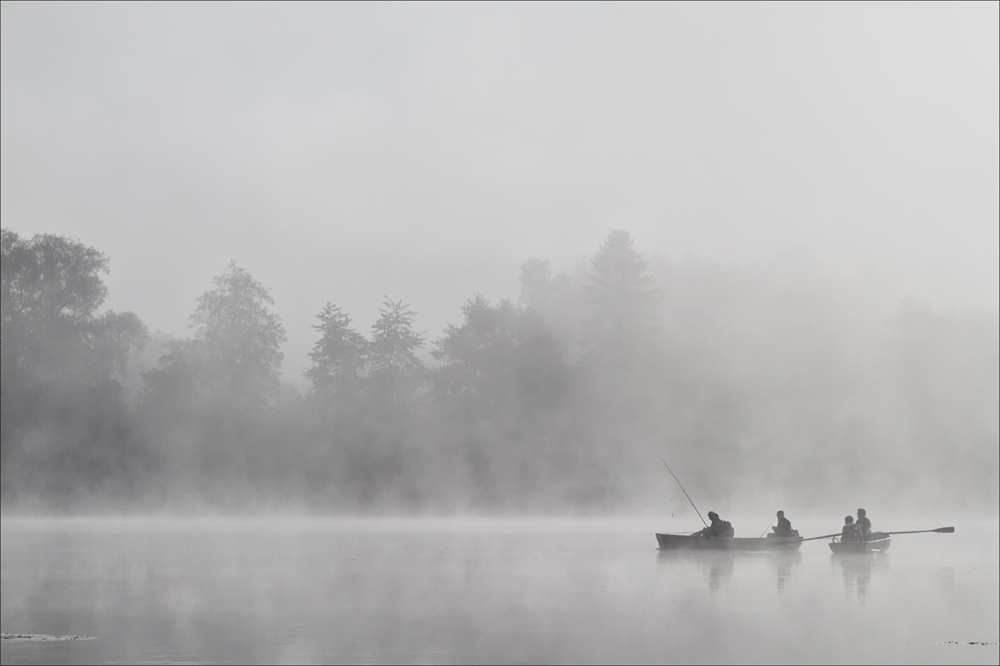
(554, 401)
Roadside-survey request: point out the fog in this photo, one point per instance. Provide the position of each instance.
(759, 240)
(345, 152)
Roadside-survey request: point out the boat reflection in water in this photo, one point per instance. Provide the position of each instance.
(718, 566)
(857, 569)
(715, 566)
(784, 563)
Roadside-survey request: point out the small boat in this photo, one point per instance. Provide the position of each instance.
(743, 544)
(876, 543)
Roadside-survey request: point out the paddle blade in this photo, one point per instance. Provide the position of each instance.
(945, 530)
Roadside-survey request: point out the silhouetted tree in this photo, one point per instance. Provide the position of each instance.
(501, 358)
(758, 377)
(502, 373)
(338, 357)
(208, 404)
(176, 386)
(478, 357)
(51, 290)
(622, 296)
(61, 366)
(557, 302)
(242, 338)
(395, 370)
(621, 371)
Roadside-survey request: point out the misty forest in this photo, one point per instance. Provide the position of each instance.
(555, 399)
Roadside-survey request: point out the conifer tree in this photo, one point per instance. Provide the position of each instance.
(395, 370)
(338, 357)
(622, 297)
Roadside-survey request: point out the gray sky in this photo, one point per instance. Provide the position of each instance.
(341, 152)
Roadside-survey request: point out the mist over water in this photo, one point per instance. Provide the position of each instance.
(493, 260)
(358, 332)
(485, 591)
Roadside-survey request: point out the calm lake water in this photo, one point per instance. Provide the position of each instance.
(446, 591)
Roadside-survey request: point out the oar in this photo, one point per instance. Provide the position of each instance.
(940, 530)
(825, 536)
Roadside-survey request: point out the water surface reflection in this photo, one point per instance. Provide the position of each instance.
(476, 592)
(784, 564)
(717, 568)
(857, 569)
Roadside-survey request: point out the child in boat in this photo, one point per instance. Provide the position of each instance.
(850, 531)
(864, 525)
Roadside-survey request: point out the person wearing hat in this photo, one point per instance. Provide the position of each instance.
(850, 531)
(784, 526)
(864, 525)
(718, 528)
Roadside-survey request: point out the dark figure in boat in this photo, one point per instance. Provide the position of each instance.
(851, 532)
(864, 525)
(784, 527)
(718, 528)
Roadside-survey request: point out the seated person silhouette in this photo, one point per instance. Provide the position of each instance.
(864, 525)
(718, 528)
(784, 527)
(851, 532)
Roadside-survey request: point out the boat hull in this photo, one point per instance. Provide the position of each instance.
(742, 544)
(878, 544)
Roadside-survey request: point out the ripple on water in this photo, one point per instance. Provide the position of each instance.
(43, 637)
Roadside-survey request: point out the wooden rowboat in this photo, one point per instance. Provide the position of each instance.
(876, 543)
(743, 544)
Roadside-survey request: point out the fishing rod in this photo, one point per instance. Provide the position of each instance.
(682, 488)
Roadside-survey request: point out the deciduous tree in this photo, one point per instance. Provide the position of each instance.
(242, 338)
(61, 364)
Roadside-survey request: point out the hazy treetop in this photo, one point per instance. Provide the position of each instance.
(341, 152)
